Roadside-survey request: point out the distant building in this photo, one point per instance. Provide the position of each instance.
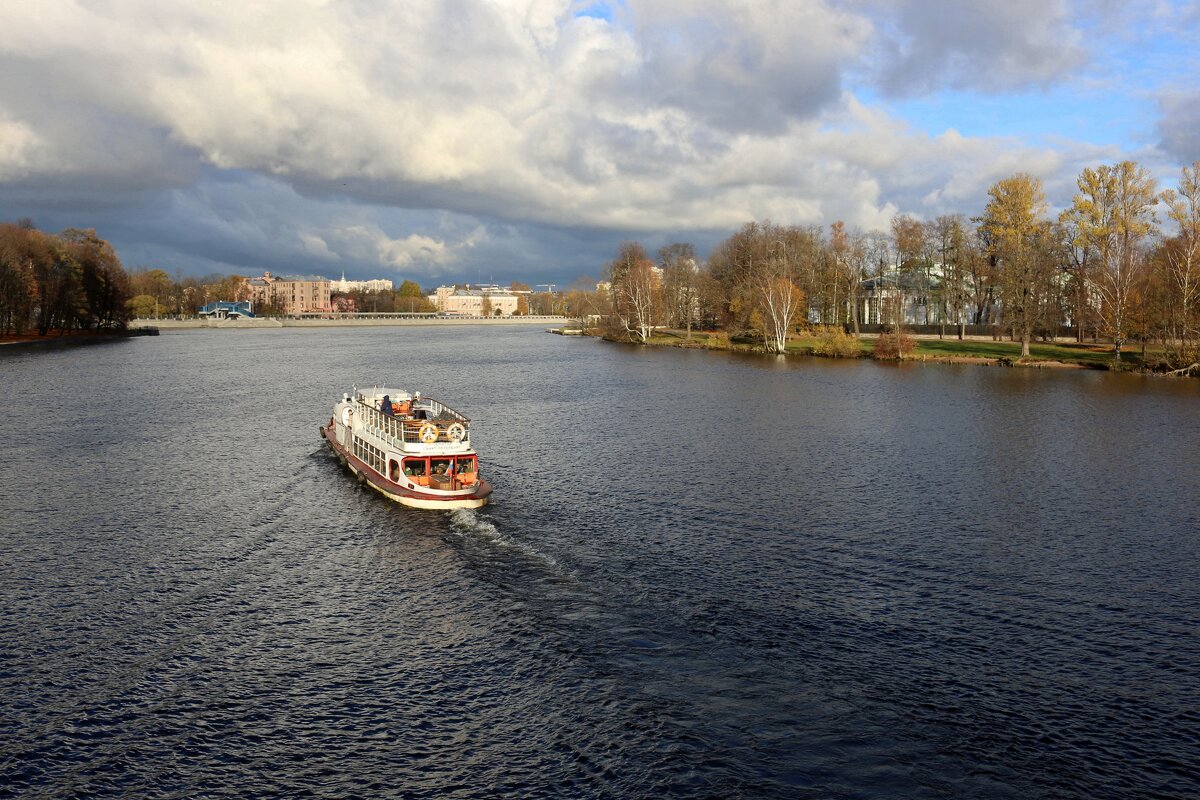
(452, 300)
(292, 294)
(222, 309)
(376, 285)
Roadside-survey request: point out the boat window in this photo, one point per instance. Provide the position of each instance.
(441, 466)
(414, 467)
(465, 465)
(394, 469)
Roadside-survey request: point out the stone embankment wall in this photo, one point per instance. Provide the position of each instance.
(199, 324)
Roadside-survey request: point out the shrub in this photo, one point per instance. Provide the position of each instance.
(1178, 356)
(893, 346)
(717, 341)
(834, 342)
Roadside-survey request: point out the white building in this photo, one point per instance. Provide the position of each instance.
(377, 285)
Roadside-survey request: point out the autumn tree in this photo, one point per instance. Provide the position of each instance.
(912, 269)
(848, 253)
(1079, 254)
(781, 304)
(635, 292)
(18, 279)
(1182, 259)
(1017, 237)
(745, 268)
(411, 298)
(1113, 213)
(151, 290)
(584, 302)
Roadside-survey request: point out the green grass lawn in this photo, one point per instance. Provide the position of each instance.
(1092, 355)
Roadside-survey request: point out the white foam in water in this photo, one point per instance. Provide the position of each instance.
(466, 521)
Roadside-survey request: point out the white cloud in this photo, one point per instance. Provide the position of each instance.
(397, 135)
(17, 142)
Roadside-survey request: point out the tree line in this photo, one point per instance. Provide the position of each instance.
(1102, 267)
(71, 281)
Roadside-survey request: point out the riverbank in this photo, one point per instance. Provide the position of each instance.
(983, 351)
(72, 338)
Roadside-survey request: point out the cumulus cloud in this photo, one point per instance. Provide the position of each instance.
(469, 134)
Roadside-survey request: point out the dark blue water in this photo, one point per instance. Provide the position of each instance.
(702, 576)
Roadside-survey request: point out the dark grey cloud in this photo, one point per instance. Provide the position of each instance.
(986, 45)
(743, 66)
(1179, 125)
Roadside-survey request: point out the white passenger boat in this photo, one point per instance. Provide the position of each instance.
(409, 448)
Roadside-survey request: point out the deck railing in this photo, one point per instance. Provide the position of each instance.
(400, 431)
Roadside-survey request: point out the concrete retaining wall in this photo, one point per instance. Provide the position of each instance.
(200, 324)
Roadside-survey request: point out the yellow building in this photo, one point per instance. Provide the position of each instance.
(470, 302)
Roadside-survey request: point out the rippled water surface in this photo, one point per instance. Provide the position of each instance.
(702, 576)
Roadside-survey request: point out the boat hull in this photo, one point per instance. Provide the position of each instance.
(396, 492)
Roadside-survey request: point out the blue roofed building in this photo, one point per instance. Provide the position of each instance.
(222, 309)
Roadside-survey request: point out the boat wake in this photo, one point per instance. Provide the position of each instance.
(467, 522)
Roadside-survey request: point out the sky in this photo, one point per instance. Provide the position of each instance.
(499, 140)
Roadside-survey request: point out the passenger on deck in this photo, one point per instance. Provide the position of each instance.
(386, 406)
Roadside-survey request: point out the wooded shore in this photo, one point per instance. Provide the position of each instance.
(980, 350)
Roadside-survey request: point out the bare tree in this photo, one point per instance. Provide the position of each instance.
(950, 238)
(680, 289)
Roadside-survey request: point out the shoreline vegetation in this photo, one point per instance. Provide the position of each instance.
(1098, 285)
(919, 348)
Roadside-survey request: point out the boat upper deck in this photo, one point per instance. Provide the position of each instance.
(415, 424)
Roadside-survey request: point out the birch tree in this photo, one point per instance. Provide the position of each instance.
(1113, 213)
(635, 292)
(1183, 259)
(780, 302)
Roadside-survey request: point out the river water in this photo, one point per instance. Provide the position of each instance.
(703, 575)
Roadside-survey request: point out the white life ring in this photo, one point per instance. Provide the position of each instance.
(347, 413)
(428, 433)
(456, 432)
